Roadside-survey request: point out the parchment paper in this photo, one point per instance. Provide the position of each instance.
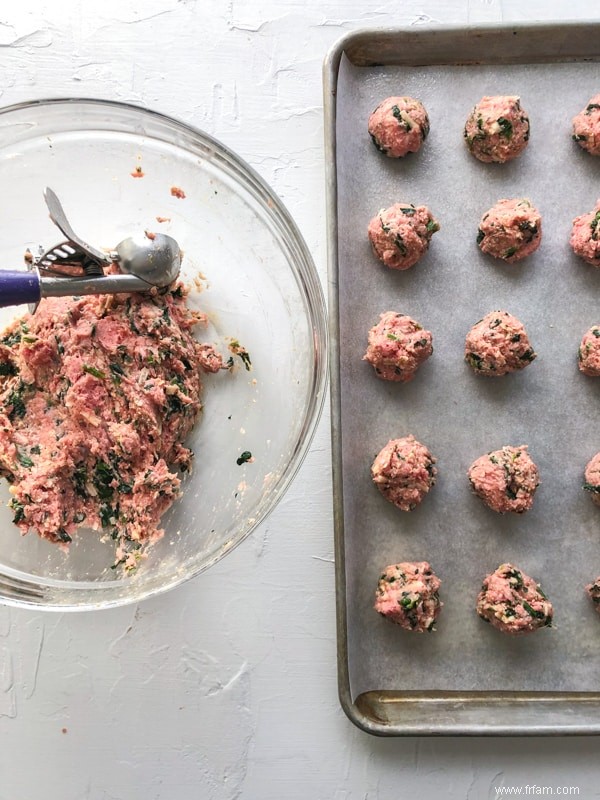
(550, 406)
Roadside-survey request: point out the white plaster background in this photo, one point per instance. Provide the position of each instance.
(189, 696)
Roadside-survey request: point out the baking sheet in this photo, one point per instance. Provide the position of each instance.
(550, 406)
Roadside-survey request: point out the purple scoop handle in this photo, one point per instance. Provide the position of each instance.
(18, 287)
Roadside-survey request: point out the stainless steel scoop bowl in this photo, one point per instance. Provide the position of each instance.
(74, 267)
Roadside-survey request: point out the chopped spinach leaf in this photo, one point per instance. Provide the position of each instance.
(506, 128)
(97, 373)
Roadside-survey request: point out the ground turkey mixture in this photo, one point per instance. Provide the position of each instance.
(497, 129)
(404, 472)
(586, 127)
(510, 230)
(400, 235)
(397, 347)
(96, 396)
(593, 590)
(399, 125)
(592, 478)
(588, 354)
(513, 602)
(505, 479)
(585, 236)
(498, 344)
(407, 594)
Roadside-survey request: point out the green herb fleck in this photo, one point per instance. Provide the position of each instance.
(532, 611)
(244, 457)
(480, 236)
(97, 373)
(402, 120)
(474, 360)
(591, 487)
(8, 368)
(103, 477)
(24, 459)
(15, 399)
(432, 226)
(506, 128)
(510, 252)
(399, 242)
(19, 510)
(106, 513)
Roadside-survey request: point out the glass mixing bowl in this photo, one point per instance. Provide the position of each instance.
(250, 272)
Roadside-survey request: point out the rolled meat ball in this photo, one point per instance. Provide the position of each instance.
(407, 594)
(593, 592)
(497, 129)
(400, 234)
(592, 478)
(513, 602)
(586, 127)
(505, 479)
(404, 472)
(510, 230)
(498, 344)
(398, 345)
(398, 126)
(585, 236)
(588, 354)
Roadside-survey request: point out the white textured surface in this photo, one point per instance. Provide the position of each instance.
(186, 696)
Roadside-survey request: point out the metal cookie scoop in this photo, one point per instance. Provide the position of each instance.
(75, 267)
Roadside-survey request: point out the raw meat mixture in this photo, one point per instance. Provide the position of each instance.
(407, 594)
(589, 352)
(510, 230)
(398, 345)
(593, 590)
(398, 126)
(513, 602)
(505, 479)
(592, 478)
(404, 472)
(586, 127)
(497, 129)
(585, 236)
(400, 234)
(97, 395)
(498, 344)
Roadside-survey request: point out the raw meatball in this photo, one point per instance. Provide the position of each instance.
(585, 236)
(513, 602)
(400, 235)
(586, 127)
(511, 230)
(497, 129)
(399, 125)
(407, 594)
(498, 344)
(505, 479)
(397, 347)
(592, 478)
(404, 472)
(589, 352)
(593, 590)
